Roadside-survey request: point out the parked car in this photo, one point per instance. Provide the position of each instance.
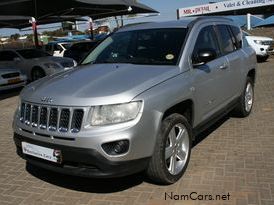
(34, 63)
(57, 48)
(79, 50)
(138, 100)
(11, 78)
(263, 46)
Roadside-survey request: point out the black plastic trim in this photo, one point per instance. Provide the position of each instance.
(81, 161)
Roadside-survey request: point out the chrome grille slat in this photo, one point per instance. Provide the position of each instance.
(70, 117)
(22, 112)
(27, 114)
(34, 116)
(52, 118)
(77, 119)
(48, 113)
(43, 118)
(39, 112)
(58, 122)
(30, 118)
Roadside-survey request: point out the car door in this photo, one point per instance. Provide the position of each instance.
(208, 78)
(230, 48)
(238, 61)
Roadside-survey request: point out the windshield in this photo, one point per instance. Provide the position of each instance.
(150, 46)
(32, 53)
(66, 45)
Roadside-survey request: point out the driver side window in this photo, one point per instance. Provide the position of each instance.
(206, 40)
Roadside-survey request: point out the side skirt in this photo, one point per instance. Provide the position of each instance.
(214, 118)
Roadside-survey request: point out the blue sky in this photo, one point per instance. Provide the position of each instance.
(167, 8)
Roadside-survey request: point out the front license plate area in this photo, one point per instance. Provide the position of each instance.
(45, 153)
(13, 81)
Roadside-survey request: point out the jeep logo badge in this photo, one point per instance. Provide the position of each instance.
(46, 99)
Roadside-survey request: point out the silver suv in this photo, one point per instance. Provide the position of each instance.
(138, 100)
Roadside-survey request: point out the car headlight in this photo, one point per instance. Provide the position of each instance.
(52, 65)
(113, 114)
(258, 42)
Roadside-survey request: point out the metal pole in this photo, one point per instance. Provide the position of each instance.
(117, 22)
(248, 21)
(91, 29)
(122, 21)
(178, 14)
(35, 33)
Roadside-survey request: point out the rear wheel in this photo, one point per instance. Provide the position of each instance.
(262, 58)
(172, 150)
(246, 100)
(37, 73)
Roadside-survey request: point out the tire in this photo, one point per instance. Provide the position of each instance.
(37, 73)
(261, 59)
(168, 148)
(246, 100)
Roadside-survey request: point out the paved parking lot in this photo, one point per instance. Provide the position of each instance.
(235, 157)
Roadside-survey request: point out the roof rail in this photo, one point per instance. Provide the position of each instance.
(200, 18)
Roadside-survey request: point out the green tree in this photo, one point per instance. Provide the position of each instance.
(15, 37)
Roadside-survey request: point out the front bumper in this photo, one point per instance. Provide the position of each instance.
(81, 161)
(4, 85)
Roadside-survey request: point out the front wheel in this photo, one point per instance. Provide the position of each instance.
(172, 150)
(246, 100)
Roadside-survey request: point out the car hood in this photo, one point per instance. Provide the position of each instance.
(259, 38)
(98, 84)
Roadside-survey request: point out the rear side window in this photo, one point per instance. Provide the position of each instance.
(225, 38)
(237, 34)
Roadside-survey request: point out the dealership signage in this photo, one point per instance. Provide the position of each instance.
(224, 6)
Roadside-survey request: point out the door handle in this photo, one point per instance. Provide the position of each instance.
(224, 66)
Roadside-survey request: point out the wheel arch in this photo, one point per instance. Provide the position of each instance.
(185, 108)
(252, 74)
(36, 67)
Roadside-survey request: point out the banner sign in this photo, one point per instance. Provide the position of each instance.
(223, 7)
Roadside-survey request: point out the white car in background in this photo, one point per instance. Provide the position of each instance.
(11, 78)
(57, 49)
(34, 63)
(263, 46)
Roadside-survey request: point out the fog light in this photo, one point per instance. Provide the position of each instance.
(262, 49)
(116, 148)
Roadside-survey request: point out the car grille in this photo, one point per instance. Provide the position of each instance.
(267, 43)
(67, 64)
(52, 118)
(11, 75)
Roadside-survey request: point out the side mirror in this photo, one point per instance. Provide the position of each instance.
(203, 56)
(16, 59)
